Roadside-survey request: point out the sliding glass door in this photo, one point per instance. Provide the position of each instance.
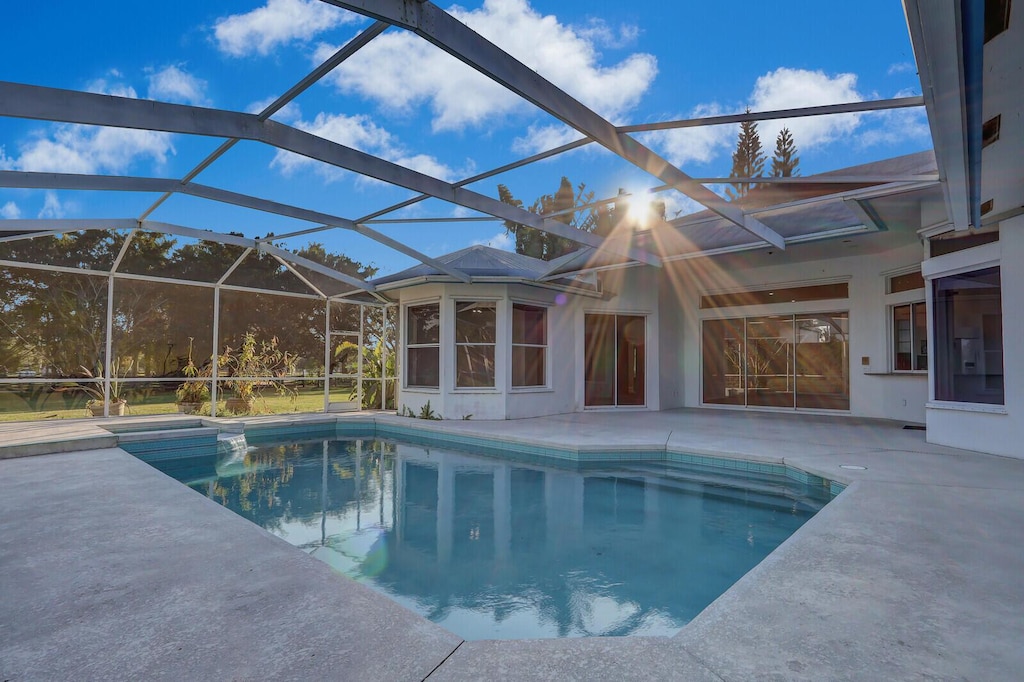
(614, 360)
(788, 361)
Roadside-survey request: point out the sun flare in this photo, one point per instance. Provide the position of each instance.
(639, 212)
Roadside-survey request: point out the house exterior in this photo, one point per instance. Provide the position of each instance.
(896, 295)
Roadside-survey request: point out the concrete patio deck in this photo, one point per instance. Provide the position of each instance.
(111, 570)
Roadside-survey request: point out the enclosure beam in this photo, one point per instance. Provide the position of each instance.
(777, 114)
(315, 267)
(444, 31)
(346, 51)
(67, 106)
(850, 107)
(73, 181)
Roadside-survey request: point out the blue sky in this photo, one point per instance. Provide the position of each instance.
(404, 100)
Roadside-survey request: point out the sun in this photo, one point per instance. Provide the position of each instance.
(639, 212)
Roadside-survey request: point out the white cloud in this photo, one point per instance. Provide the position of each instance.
(694, 145)
(118, 88)
(502, 240)
(794, 88)
(542, 138)
(677, 205)
(358, 132)
(276, 23)
(52, 208)
(896, 126)
(71, 148)
(400, 70)
(10, 211)
(173, 84)
(782, 88)
(89, 150)
(902, 67)
(597, 31)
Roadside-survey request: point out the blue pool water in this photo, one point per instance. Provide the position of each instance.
(498, 549)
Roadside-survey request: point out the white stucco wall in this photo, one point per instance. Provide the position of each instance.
(632, 291)
(994, 429)
(875, 391)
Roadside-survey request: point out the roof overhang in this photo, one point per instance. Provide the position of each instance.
(948, 42)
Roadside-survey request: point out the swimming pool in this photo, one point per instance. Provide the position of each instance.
(521, 547)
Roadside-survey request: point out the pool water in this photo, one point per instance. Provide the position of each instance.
(500, 549)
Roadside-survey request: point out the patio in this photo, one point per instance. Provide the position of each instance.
(121, 573)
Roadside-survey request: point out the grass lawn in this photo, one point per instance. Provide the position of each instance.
(38, 405)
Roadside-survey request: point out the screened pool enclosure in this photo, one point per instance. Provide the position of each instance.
(104, 318)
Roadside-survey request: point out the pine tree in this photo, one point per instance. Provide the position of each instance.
(785, 162)
(747, 161)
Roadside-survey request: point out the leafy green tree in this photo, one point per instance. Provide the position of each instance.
(565, 206)
(785, 162)
(55, 322)
(747, 161)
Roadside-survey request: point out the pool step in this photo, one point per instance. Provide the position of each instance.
(152, 446)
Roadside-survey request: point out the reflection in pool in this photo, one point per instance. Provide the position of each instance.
(498, 549)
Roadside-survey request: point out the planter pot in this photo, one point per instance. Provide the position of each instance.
(189, 408)
(239, 405)
(116, 409)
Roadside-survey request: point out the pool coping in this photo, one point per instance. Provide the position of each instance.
(874, 585)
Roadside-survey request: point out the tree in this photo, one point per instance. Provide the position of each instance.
(747, 161)
(55, 321)
(600, 220)
(785, 162)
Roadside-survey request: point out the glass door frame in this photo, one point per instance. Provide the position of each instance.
(618, 328)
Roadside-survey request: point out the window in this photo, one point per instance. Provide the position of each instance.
(909, 281)
(423, 344)
(614, 359)
(791, 361)
(475, 335)
(969, 337)
(529, 345)
(910, 338)
(813, 292)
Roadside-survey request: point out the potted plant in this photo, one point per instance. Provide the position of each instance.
(252, 367)
(192, 394)
(118, 404)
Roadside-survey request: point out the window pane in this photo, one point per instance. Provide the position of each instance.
(769, 361)
(475, 322)
(631, 361)
(528, 366)
(814, 292)
(907, 282)
(474, 366)
(599, 360)
(969, 337)
(902, 338)
(424, 324)
(822, 362)
(722, 347)
(920, 337)
(423, 367)
(529, 324)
